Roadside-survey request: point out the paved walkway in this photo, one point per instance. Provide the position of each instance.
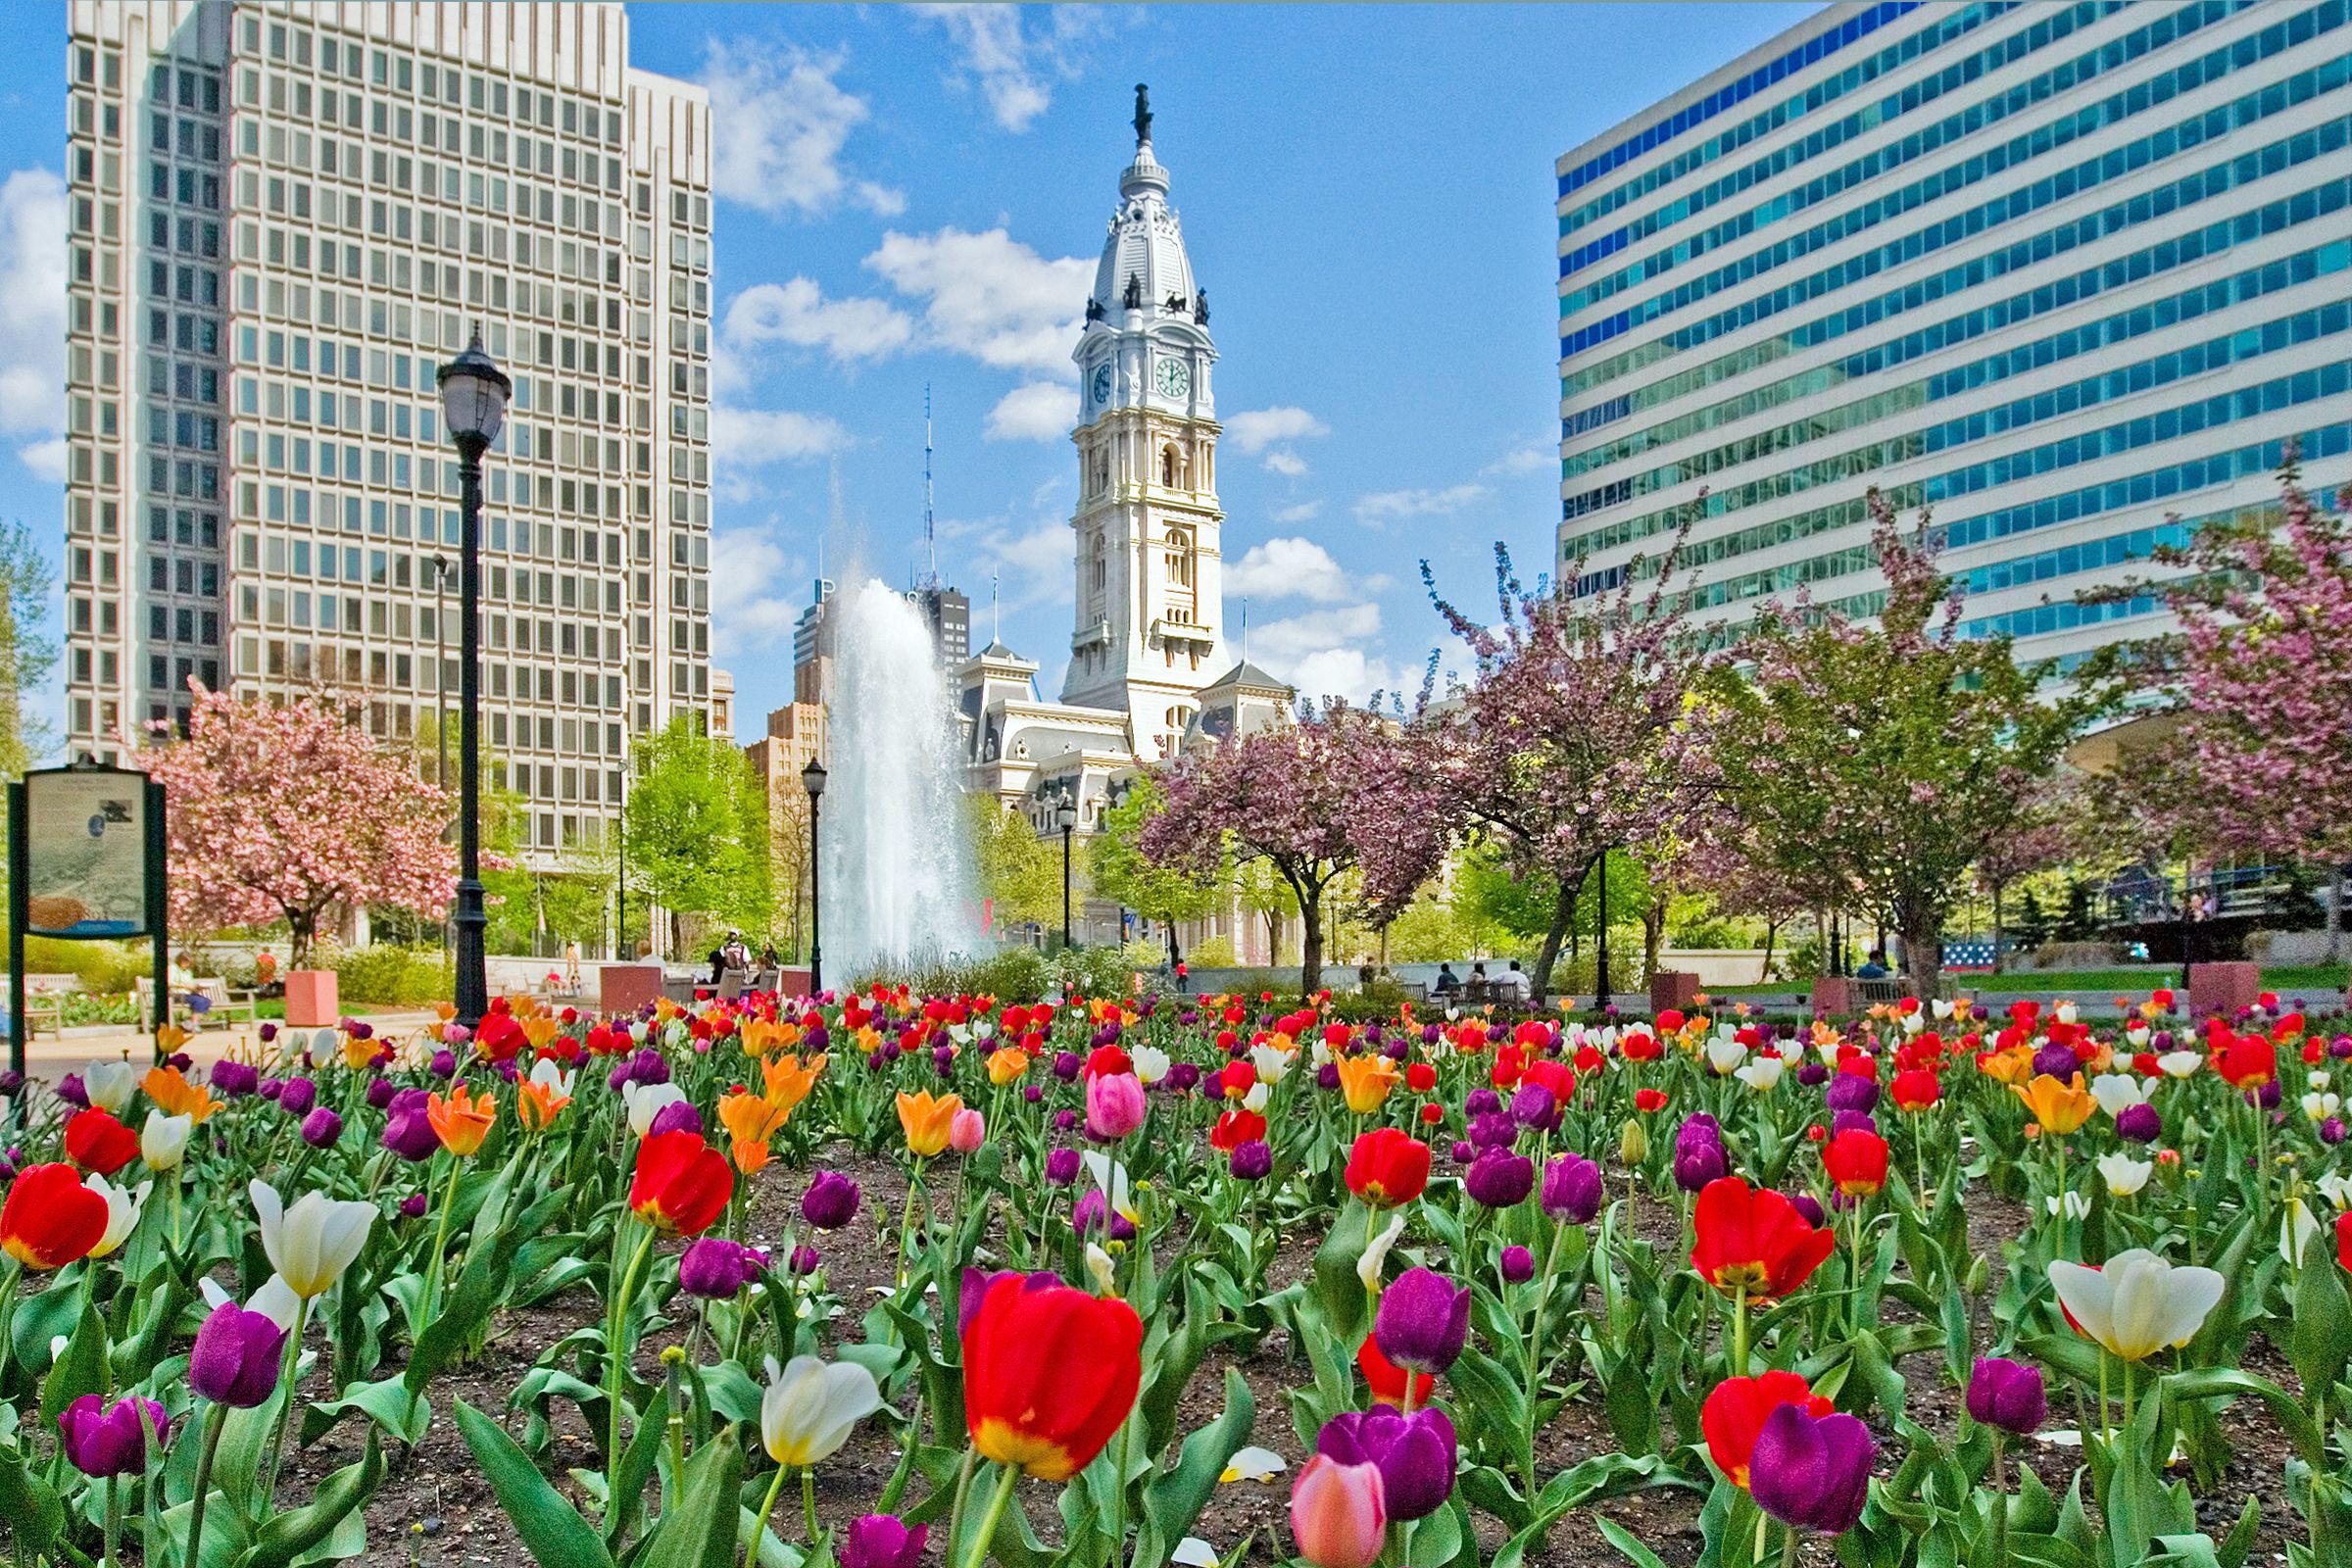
(51, 1056)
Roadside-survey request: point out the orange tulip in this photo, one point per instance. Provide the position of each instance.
(2060, 1107)
(462, 1120)
(2012, 1066)
(537, 1103)
(172, 1091)
(1365, 1081)
(1005, 1064)
(927, 1119)
(750, 1120)
(788, 1082)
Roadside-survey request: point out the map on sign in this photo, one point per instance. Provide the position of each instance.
(87, 842)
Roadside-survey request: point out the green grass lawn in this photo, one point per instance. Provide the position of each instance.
(2288, 980)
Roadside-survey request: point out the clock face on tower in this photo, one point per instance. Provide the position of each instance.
(1102, 384)
(1175, 378)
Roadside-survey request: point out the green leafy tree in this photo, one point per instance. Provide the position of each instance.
(696, 831)
(1117, 868)
(1020, 873)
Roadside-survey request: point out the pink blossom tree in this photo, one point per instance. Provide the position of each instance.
(2261, 680)
(293, 813)
(1336, 791)
(1578, 733)
(1901, 753)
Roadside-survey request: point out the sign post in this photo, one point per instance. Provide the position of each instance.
(85, 864)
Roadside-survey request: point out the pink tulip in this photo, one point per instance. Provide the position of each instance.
(1114, 1106)
(1339, 1513)
(967, 1130)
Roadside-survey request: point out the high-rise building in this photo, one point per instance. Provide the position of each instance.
(948, 615)
(2053, 271)
(812, 645)
(283, 220)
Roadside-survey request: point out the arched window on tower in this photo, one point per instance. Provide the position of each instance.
(1102, 566)
(1180, 557)
(1171, 468)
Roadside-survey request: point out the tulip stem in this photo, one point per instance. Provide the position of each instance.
(1007, 1476)
(1740, 1330)
(759, 1530)
(212, 1422)
(1788, 1548)
(286, 1380)
(2000, 1501)
(616, 1313)
(113, 1517)
(808, 1503)
(914, 1183)
(433, 1269)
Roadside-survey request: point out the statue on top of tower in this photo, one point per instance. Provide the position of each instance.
(1143, 113)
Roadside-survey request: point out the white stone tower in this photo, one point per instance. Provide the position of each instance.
(1151, 579)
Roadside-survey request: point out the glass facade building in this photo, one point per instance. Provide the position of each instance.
(283, 220)
(2068, 275)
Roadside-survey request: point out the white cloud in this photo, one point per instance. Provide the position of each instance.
(1290, 465)
(1323, 654)
(990, 295)
(780, 123)
(1038, 411)
(1385, 506)
(32, 316)
(1303, 511)
(1015, 66)
(798, 312)
(1255, 429)
(1528, 458)
(751, 605)
(752, 438)
(1294, 567)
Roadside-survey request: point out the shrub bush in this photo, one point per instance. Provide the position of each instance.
(389, 976)
(103, 966)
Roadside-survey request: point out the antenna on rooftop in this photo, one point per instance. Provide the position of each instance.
(930, 526)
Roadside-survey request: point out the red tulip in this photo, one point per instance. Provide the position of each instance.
(1387, 1167)
(1856, 1161)
(1387, 1379)
(682, 1183)
(1649, 1100)
(1049, 1374)
(1735, 1413)
(1420, 1077)
(96, 1142)
(1754, 1239)
(1236, 1128)
(1915, 1090)
(2248, 1063)
(50, 1219)
(2343, 1239)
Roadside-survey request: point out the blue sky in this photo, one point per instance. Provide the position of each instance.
(912, 195)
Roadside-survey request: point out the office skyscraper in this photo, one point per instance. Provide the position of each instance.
(2055, 271)
(283, 220)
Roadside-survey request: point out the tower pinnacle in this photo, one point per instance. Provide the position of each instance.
(1142, 115)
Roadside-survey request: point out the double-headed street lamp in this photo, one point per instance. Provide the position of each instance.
(813, 779)
(474, 402)
(1067, 814)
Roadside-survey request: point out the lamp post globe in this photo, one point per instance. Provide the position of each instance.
(813, 779)
(473, 403)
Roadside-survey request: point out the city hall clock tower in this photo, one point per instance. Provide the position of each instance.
(1151, 582)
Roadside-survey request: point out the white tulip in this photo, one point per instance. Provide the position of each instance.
(123, 1206)
(2124, 1174)
(2179, 1063)
(1914, 1021)
(274, 1300)
(1150, 1063)
(2319, 1106)
(2337, 1189)
(1725, 1053)
(2074, 1206)
(1941, 1007)
(810, 1405)
(1376, 1253)
(2063, 1012)
(2116, 1092)
(1270, 1064)
(2139, 1304)
(2315, 1078)
(547, 1075)
(2297, 1228)
(163, 1139)
(313, 1242)
(645, 1102)
(1111, 1178)
(1256, 1098)
(109, 1085)
(1193, 1553)
(1101, 1270)
(1254, 1464)
(1762, 1073)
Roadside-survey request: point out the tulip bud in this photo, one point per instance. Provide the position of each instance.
(1423, 1321)
(2008, 1395)
(1339, 1513)
(1632, 1143)
(235, 1361)
(831, 1200)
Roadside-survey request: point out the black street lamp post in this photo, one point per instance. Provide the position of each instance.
(441, 566)
(813, 779)
(1067, 814)
(473, 401)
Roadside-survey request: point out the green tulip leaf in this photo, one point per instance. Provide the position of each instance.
(550, 1528)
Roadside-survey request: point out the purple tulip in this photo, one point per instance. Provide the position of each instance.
(1064, 1120)
(1533, 1107)
(1812, 1472)
(1182, 1079)
(1415, 1454)
(381, 1092)
(1808, 1207)
(1847, 1121)
(882, 1541)
(2008, 1395)
(321, 1128)
(831, 1200)
(412, 1206)
(1482, 1102)
(235, 1359)
(234, 1080)
(1499, 1179)
(678, 1116)
(1493, 1130)
(1572, 1189)
(2138, 1124)
(2270, 1095)
(1253, 1162)
(1327, 1076)
(804, 1260)
(1090, 1212)
(406, 1131)
(2332, 1131)
(1700, 1163)
(70, 1090)
(269, 1032)
(296, 1096)
(1518, 1265)
(713, 1268)
(1066, 1065)
(1062, 1166)
(2057, 1061)
(1851, 1093)
(1423, 1321)
(1463, 1151)
(102, 1439)
(2340, 1046)
(1812, 1074)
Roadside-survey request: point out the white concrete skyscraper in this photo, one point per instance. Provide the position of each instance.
(283, 220)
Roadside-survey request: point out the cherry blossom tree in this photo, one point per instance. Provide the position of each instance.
(1578, 733)
(1901, 753)
(1336, 791)
(294, 813)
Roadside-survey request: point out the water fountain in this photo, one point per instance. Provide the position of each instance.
(896, 868)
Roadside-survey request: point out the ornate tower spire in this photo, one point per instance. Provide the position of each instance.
(1142, 115)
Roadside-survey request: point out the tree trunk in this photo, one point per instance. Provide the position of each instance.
(1653, 937)
(1273, 938)
(1772, 929)
(1310, 945)
(1996, 928)
(2336, 914)
(301, 928)
(1563, 915)
(1920, 929)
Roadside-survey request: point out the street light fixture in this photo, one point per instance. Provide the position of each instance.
(474, 402)
(813, 779)
(1067, 814)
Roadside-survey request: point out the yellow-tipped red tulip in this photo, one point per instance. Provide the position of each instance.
(172, 1091)
(1365, 1081)
(462, 1120)
(927, 1119)
(2060, 1107)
